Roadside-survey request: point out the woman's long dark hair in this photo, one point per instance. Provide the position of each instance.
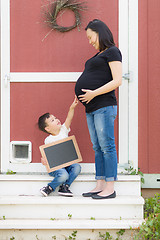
(105, 35)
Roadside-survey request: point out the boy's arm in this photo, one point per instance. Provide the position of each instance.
(71, 113)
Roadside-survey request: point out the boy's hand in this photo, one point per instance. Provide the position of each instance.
(43, 161)
(71, 113)
(74, 104)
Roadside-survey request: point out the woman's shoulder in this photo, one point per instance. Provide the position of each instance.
(113, 54)
(113, 49)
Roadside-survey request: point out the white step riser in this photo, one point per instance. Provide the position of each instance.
(77, 211)
(70, 224)
(79, 207)
(33, 187)
(62, 234)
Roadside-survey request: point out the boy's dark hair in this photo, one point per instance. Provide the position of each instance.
(42, 123)
(105, 35)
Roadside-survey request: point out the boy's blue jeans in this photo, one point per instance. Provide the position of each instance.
(101, 129)
(64, 175)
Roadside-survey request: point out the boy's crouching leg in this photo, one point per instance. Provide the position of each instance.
(73, 171)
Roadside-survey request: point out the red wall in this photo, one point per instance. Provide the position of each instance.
(29, 101)
(149, 86)
(58, 52)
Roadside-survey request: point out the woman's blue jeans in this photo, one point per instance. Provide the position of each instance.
(101, 129)
(64, 175)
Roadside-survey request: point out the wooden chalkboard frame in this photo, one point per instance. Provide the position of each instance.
(59, 144)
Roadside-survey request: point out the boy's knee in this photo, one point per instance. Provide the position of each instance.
(77, 168)
(63, 176)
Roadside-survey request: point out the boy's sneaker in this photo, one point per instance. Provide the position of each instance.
(46, 190)
(64, 191)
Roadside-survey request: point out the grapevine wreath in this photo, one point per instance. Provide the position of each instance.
(53, 8)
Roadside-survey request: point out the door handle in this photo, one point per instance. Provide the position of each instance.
(128, 76)
(6, 80)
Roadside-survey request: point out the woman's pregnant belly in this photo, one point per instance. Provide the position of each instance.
(88, 80)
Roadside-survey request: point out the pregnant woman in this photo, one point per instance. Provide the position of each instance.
(95, 89)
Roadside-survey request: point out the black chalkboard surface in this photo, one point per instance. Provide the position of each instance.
(61, 153)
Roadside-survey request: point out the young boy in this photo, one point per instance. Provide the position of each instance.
(65, 176)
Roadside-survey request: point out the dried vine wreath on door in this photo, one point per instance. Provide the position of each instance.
(53, 9)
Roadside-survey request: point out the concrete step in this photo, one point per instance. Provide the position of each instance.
(23, 207)
(70, 224)
(19, 184)
(63, 208)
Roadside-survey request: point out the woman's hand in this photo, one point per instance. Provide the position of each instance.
(88, 96)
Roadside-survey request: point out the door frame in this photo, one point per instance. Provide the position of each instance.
(128, 92)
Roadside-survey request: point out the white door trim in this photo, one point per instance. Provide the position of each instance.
(44, 76)
(123, 89)
(128, 92)
(5, 84)
(128, 145)
(133, 83)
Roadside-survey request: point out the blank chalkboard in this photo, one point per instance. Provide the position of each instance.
(61, 153)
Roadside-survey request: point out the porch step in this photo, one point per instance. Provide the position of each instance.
(23, 207)
(70, 224)
(76, 208)
(30, 184)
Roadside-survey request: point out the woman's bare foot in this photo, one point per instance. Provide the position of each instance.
(101, 184)
(108, 190)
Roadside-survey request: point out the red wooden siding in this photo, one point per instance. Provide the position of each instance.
(29, 101)
(57, 53)
(149, 86)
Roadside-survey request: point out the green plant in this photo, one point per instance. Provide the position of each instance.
(69, 216)
(12, 238)
(92, 218)
(37, 237)
(52, 219)
(10, 172)
(132, 171)
(72, 236)
(150, 229)
(105, 236)
(54, 237)
(120, 233)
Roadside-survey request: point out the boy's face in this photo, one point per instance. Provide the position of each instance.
(53, 125)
